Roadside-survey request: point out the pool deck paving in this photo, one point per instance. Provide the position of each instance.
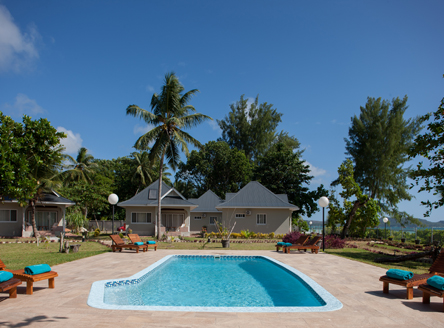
(355, 284)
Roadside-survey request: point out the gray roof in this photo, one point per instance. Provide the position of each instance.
(207, 202)
(47, 198)
(229, 195)
(255, 195)
(170, 197)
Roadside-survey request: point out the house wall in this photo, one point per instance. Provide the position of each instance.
(277, 220)
(15, 228)
(142, 229)
(12, 228)
(148, 229)
(196, 225)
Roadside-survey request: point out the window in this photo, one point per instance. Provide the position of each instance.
(261, 219)
(140, 217)
(197, 218)
(213, 220)
(8, 215)
(240, 215)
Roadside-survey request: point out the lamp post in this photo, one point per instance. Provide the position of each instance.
(323, 202)
(311, 222)
(385, 220)
(113, 199)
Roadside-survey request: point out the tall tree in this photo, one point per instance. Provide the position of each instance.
(143, 170)
(378, 144)
(283, 171)
(357, 214)
(30, 155)
(430, 145)
(170, 115)
(215, 167)
(250, 128)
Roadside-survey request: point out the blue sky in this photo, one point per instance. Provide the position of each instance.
(81, 63)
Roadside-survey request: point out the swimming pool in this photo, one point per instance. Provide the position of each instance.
(214, 283)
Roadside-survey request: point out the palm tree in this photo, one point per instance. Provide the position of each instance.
(143, 170)
(80, 168)
(170, 114)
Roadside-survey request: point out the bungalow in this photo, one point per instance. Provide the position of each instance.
(15, 220)
(141, 211)
(254, 207)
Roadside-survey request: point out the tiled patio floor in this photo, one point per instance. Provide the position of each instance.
(355, 284)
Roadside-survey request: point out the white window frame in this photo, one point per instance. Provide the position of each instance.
(215, 219)
(146, 213)
(198, 218)
(258, 216)
(240, 215)
(16, 215)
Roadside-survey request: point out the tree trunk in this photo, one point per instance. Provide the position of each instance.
(159, 196)
(34, 226)
(346, 228)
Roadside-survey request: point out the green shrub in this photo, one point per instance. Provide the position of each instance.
(97, 232)
(271, 235)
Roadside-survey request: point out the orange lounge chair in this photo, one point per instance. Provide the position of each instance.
(136, 239)
(311, 244)
(428, 291)
(31, 279)
(10, 285)
(119, 244)
(300, 241)
(418, 279)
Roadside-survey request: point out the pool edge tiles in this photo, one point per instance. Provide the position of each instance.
(97, 292)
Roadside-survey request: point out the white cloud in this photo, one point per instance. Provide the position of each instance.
(23, 105)
(215, 126)
(149, 88)
(315, 171)
(17, 49)
(140, 130)
(72, 142)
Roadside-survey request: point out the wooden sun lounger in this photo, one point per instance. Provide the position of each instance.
(428, 291)
(10, 285)
(418, 279)
(311, 244)
(31, 279)
(119, 244)
(300, 241)
(135, 238)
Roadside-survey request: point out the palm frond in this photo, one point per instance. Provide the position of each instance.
(144, 140)
(141, 113)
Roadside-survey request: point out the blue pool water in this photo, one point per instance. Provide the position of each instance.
(208, 283)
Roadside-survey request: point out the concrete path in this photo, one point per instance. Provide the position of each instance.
(355, 284)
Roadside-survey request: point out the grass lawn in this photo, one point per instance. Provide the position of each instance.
(17, 256)
(362, 255)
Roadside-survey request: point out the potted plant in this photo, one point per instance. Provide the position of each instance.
(225, 233)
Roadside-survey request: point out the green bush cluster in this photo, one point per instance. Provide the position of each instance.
(97, 232)
(424, 235)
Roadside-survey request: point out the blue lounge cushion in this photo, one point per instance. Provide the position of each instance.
(5, 276)
(139, 243)
(150, 242)
(437, 282)
(288, 244)
(281, 243)
(399, 274)
(37, 269)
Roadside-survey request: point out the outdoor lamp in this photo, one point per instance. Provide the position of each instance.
(113, 199)
(311, 222)
(385, 220)
(323, 202)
